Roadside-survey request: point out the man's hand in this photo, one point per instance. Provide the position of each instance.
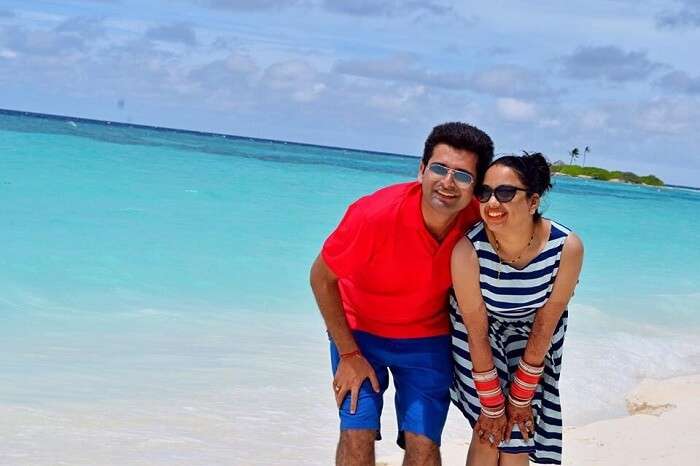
(349, 376)
(522, 417)
(490, 430)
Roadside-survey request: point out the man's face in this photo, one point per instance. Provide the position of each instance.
(444, 195)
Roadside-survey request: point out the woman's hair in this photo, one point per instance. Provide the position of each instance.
(532, 170)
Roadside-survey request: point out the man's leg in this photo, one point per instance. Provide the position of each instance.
(356, 448)
(422, 369)
(421, 451)
(359, 430)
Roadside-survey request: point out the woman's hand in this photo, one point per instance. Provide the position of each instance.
(490, 430)
(522, 417)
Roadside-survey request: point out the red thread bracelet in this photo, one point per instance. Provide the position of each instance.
(350, 354)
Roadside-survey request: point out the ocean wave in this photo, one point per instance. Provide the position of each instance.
(606, 356)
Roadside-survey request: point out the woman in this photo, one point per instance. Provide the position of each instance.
(513, 276)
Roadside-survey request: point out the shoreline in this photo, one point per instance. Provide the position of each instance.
(661, 429)
(613, 180)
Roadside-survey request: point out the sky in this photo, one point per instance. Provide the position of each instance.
(617, 76)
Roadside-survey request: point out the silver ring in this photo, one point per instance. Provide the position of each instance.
(528, 423)
(336, 388)
(481, 433)
(492, 439)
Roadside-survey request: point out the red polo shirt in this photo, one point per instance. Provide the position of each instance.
(394, 276)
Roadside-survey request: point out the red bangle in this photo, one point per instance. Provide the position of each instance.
(488, 389)
(487, 386)
(525, 381)
(350, 354)
(492, 401)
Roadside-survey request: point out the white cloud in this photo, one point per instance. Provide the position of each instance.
(509, 81)
(180, 33)
(401, 68)
(668, 116)
(516, 110)
(680, 82)
(610, 63)
(250, 5)
(236, 70)
(8, 54)
(687, 15)
(289, 74)
(549, 123)
(594, 119)
(388, 7)
(398, 100)
(310, 93)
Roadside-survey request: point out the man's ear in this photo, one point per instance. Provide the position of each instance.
(421, 171)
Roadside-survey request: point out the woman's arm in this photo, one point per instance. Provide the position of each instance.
(490, 427)
(548, 316)
(524, 383)
(465, 280)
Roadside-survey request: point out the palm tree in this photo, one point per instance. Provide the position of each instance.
(585, 151)
(574, 155)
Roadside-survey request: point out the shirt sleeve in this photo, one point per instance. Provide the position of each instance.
(349, 247)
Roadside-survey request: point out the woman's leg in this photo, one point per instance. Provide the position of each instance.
(513, 459)
(481, 454)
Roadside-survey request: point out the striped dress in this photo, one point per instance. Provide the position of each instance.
(511, 302)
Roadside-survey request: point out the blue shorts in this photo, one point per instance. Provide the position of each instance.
(422, 373)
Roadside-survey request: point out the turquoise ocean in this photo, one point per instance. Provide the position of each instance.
(155, 307)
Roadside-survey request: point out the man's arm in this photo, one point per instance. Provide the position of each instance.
(324, 284)
(352, 371)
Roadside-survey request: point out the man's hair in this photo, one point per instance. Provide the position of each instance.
(462, 136)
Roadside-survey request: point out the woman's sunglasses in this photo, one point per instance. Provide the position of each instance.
(461, 177)
(503, 193)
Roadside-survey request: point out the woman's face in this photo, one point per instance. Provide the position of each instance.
(517, 212)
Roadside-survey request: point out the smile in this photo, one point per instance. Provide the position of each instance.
(445, 193)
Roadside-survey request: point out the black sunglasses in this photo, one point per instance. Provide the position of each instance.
(503, 193)
(461, 177)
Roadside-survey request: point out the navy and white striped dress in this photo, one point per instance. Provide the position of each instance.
(511, 302)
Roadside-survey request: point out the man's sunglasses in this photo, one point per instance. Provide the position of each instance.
(503, 193)
(461, 177)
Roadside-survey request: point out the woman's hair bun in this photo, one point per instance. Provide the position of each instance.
(537, 173)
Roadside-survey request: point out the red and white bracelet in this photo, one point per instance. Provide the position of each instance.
(488, 388)
(524, 384)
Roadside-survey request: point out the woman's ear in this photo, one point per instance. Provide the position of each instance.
(534, 203)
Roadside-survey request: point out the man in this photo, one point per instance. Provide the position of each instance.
(381, 284)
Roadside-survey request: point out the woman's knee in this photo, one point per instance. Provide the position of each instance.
(511, 459)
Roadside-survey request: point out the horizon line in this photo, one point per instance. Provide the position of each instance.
(55, 116)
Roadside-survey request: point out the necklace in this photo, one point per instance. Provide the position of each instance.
(513, 261)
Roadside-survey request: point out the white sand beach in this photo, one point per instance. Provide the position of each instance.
(662, 429)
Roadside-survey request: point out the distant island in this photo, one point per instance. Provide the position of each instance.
(603, 174)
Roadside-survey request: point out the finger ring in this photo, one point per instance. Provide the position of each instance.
(336, 388)
(481, 433)
(492, 439)
(528, 423)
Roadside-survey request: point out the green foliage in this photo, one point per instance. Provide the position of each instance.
(573, 153)
(605, 175)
